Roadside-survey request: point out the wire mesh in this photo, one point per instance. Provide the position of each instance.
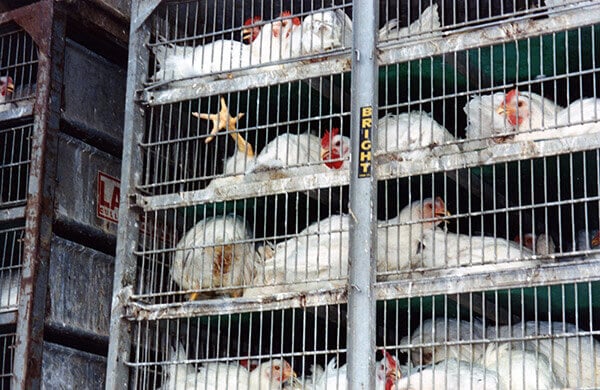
(250, 350)
(18, 67)
(14, 164)
(251, 247)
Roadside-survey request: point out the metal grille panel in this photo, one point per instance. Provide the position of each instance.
(18, 65)
(302, 338)
(14, 166)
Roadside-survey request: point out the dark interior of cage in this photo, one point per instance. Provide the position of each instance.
(19, 61)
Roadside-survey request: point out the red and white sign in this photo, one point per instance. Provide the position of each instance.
(109, 192)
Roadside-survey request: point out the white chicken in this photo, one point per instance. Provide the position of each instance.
(520, 369)
(321, 31)
(387, 371)
(499, 116)
(318, 257)
(446, 332)
(273, 41)
(215, 254)
(269, 42)
(268, 375)
(183, 62)
(398, 242)
(588, 240)
(289, 150)
(522, 116)
(574, 360)
(450, 374)
(447, 249)
(541, 244)
(412, 136)
(6, 89)
(428, 22)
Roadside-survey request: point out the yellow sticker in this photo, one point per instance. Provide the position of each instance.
(364, 157)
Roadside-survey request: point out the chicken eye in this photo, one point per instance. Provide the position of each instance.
(521, 104)
(276, 368)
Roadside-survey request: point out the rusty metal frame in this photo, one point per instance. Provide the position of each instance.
(47, 30)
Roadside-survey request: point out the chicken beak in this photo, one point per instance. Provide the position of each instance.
(324, 154)
(288, 373)
(596, 240)
(10, 87)
(247, 35)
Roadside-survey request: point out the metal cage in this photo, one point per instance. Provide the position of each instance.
(399, 194)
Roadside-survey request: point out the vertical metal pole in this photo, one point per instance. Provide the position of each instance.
(117, 374)
(47, 28)
(363, 198)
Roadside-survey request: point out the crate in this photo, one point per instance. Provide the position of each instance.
(377, 192)
(61, 131)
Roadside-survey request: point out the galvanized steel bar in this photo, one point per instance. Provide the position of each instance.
(125, 263)
(363, 198)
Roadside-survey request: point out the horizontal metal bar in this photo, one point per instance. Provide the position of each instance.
(489, 276)
(248, 188)
(267, 183)
(8, 317)
(18, 110)
(12, 213)
(138, 311)
(260, 77)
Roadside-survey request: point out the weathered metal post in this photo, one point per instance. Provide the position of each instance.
(125, 265)
(363, 198)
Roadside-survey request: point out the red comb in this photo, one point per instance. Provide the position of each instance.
(511, 95)
(252, 20)
(326, 139)
(295, 20)
(517, 239)
(390, 359)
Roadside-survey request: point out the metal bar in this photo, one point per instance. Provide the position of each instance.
(49, 28)
(478, 278)
(127, 234)
(12, 213)
(201, 87)
(139, 311)
(363, 199)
